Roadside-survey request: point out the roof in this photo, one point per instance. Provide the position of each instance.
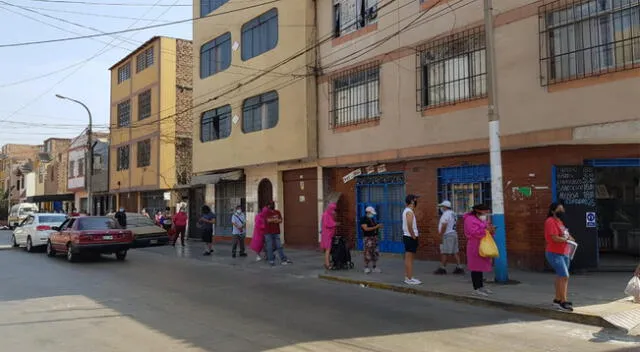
(154, 38)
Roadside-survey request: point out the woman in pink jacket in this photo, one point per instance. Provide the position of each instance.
(259, 230)
(475, 226)
(329, 226)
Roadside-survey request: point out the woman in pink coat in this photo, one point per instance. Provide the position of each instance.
(259, 230)
(475, 226)
(329, 226)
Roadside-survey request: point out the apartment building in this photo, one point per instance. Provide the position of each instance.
(16, 160)
(79, 167)
(403, 109)
(254, 116)
(150, 142)
(50, 184)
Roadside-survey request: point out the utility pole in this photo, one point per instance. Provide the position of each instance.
(497, 192)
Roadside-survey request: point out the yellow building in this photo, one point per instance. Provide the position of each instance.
(150, 141)
(255, 133)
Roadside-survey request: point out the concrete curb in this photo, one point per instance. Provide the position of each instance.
(580, 318)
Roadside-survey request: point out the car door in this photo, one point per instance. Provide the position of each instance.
(21, 231)
(56, 238)
(65, 234)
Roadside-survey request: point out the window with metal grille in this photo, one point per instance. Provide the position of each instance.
(215, 55)
(465, 186)
(124, 72)
(260, 112)
(123, 158)
(586, 38)
(72, 169)
(452, 69)
(351, 15)
(144, 105)
(260, 34)
(144, 153)
(355, 96)
(124, 113)
(215, 124)
(208, 6)
(80, 167)
(144, 59)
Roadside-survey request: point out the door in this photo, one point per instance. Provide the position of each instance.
(574, 186)
(265, 193)
(62, 237)
(229, 194)
(22, 231)
(196, 201)
(301, 208)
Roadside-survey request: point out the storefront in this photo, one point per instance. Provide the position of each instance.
(153, 201)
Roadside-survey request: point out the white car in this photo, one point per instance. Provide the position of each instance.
(34, 231)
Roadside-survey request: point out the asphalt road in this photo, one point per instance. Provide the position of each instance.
(154, 302)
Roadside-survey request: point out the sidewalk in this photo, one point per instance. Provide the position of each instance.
(598, 297)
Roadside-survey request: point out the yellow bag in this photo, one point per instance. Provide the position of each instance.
(488, 248)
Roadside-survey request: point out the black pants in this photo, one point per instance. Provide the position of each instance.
(238, 240)
(477, 279)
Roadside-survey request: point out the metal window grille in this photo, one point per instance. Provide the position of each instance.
(465, 186)
(586, 38)
(144, 105)
(144, 59)
(124, 72)
(144, 153)
(452, 69)
(123, 158)
(215, 55)
(72, 170)
(124, 113)
(355, 96)
(351, 15)
(215, 124)
(260, 34)
(260, 112)
(208, 6)
(80, 167)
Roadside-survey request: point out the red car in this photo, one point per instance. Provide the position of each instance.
(89, 235)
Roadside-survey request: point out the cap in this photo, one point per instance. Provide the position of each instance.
(371, 210)
(481, 207)
(446, 204)
(410, 198)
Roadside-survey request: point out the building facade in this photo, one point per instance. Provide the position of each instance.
(51, 187)
(403, 109)
(78, 167)
(16, 160)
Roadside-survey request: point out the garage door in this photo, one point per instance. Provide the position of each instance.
(301, 208)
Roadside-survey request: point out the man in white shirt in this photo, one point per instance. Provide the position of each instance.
(449, 237)
(410, 238)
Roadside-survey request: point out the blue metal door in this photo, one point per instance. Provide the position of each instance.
(385, 192)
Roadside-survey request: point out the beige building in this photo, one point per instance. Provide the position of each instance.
(50, 176)
(16, 160)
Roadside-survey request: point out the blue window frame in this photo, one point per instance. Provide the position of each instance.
(260, 112)
(465, 186)
(260, 34)
(208, 6)
(619, 162)
(215, 55)
(385, 192)
(215, 124)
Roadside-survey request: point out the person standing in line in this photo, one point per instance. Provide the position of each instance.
(410, 238)
(259, 229)
(238, 222)
(121, 217)
(329, 226)
(476, 225)
(370, 233)
(167, 219)
(556, 236)
(180, 226)
(272, 238)
(206, 222)
(158, 218)
(449, 236)
(144, 213)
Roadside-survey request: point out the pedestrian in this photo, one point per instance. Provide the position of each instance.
(158, 218)
(329, 226)
(238, 222)
(259, 229)
(166, 219)
(556, 236)
(206, 222)
(144, 213)
(74, 212)
(370, 234)
(272, 237)
(449, 236)
(410, 238)
(476, 225)
(180, 226)
(637, 273)
(121, 217)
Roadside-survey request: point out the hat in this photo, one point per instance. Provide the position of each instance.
(481, 207)
(371, 210)
(410, 198)
(446, 204)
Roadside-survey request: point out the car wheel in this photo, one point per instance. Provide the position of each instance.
(71, 257)
(50, 251)
(121, 255)
(14, 243)
(29, 246)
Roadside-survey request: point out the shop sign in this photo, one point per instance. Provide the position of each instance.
(350, 176)
(371, 169)
(382, 168)
(167, 195)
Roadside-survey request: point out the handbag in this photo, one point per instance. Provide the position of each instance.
(488, 247)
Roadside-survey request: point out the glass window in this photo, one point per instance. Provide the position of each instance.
(123, 158)
(124, 113)
(356, 96)
(97, 223)
(144, 153)
(216, 124)
(208, 6)
(144, 105)
(260, 35)
(215, 56)
(351, 15)
(124, 72)
(144, 59)
(260, 112)
(52, 219)
(465, 186)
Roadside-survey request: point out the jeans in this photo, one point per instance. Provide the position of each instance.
(559, 262)
(477, 278)
(272, 240)
(238, 239)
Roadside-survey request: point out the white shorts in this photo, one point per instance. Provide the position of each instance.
(449, 244)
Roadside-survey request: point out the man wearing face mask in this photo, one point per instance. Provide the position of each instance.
(272, 238)
(370, 230)
(121, 217)
(238, 222)
(449, 237)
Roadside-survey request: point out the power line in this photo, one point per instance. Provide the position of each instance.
(90, 14)
(106, 3)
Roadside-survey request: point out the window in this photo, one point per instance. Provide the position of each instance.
(144, 59)
(80, 167)
(144, 105)
(452, 70)
(260, 112)
(124, 113)
(123, 158)
(144, 153)
(97, 163)
(208, 6)
(124, 72)
(215, 56)
(260, 34)
(72, 171)
(582, 39)
(465, 186)
(355, 96)
(216, 124)
(351, 15)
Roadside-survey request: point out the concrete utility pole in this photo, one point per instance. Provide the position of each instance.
(497, 192)
(89, 156)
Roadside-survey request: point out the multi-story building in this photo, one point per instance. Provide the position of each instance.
(49, 195)
(150, 143)
(254, 116)
(403, 109)
(103, 200)
(78, 167)
(15, 161)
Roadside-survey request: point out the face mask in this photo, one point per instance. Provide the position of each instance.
(483, 217)
(560, 214)
(121, 210)
(370, 216)
(238, 211)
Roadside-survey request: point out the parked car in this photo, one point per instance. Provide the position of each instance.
(89, 235)
(145, 232)
(19, 212)
(34, 231)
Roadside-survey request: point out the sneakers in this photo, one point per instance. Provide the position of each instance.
(243, 254)
(564, 306)
(258, 258)
(458, 271)
(207, 253)
(367, 271)
(440, 271)
(412, 281)
(480, 292)
(286, 262)
(376, 270)
(486, 290)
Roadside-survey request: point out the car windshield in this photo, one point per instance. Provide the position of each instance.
(26, 210)
(97, 223)
(52, 219)
(137, 220)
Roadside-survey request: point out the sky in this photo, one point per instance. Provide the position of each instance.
(30, 76)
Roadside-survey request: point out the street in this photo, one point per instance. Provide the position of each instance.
(154, 302)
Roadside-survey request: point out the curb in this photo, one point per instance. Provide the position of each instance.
(574, 317)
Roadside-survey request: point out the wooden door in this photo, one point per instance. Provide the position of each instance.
(301, 208)
(265, 193)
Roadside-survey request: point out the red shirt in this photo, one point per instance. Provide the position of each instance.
(555, 227)
(273, 228)
(180, 219)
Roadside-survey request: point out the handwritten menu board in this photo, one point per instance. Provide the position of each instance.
(576, 185)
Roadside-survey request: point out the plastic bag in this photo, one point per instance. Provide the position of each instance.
(488, 247)
(633, 289)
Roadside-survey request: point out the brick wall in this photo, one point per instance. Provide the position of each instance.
(184, 87)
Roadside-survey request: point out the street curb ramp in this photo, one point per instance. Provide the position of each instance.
(573, 317)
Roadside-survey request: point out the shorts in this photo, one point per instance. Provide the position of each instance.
(559, 262)
(410, 245)
(207, 236)
(449, 244)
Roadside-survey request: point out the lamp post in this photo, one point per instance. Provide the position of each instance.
(89, 157)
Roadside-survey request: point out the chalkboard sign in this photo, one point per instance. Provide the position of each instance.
(576, 185)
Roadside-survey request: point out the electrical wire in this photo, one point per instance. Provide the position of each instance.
(105, 3)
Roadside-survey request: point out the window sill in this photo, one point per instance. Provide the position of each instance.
(465, 105)
(353, 35)
(358, 126)
(595, 79)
